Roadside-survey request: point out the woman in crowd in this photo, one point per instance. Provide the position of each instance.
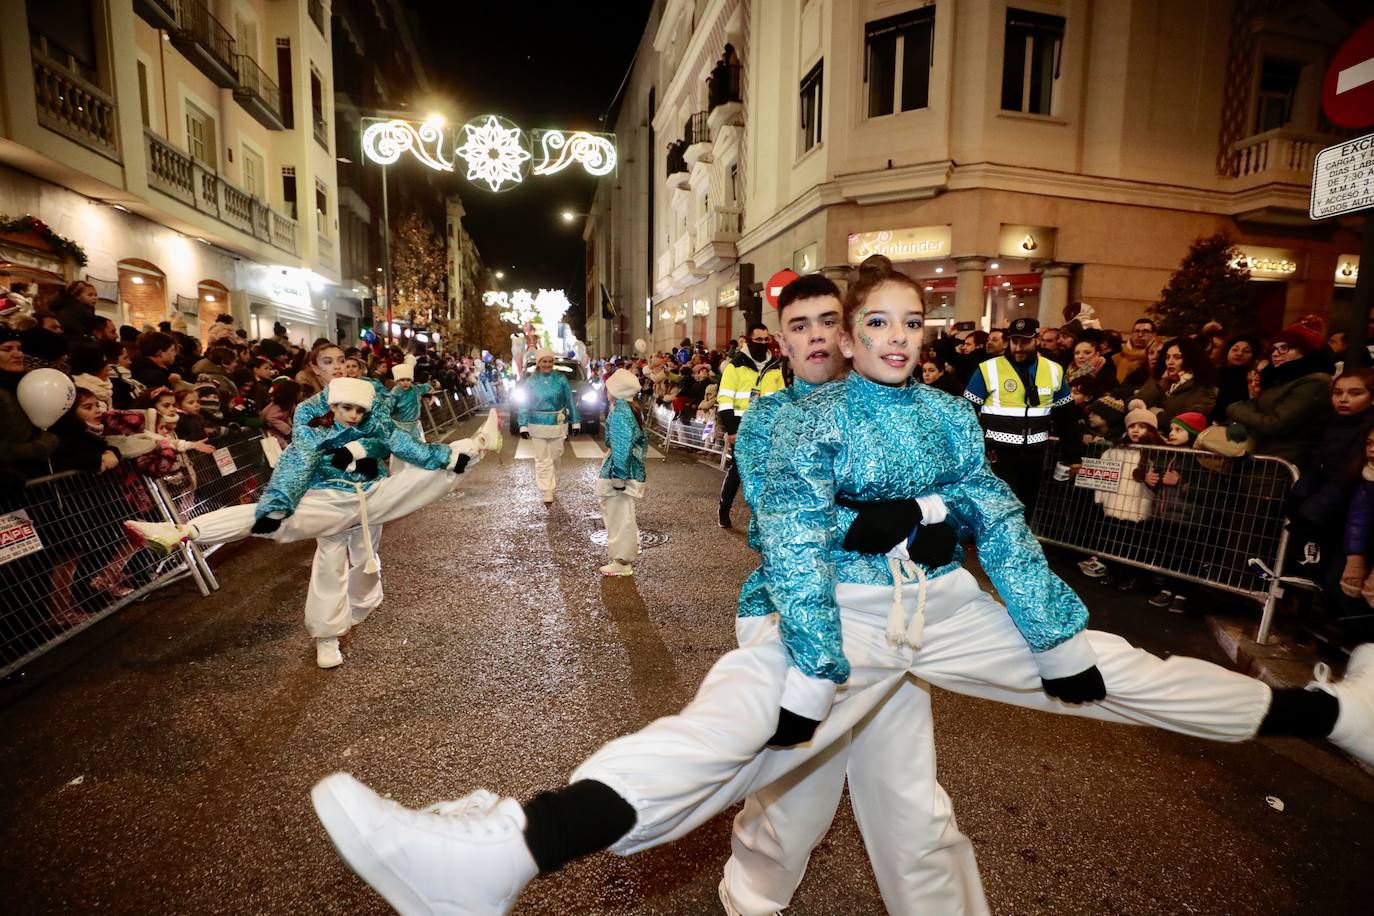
(23, 446)
(1237, 360)
(849, 623)
(933, 374)
(1294, 402)
(1182, 381)
(621, 480)
(546, 414)
(1089, 360)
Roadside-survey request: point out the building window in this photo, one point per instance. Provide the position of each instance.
(1030, 62)
(285, 84)
(321, 208)
(253, 172)
(200, 136)
(317, 108)
(811, 107)
(143, 94)
(1278, 84)
(288, 189)
(897, 61)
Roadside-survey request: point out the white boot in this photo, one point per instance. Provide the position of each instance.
(162, 538)
(488, 435)
(463, 857)
(1354, 731)
(327, 654)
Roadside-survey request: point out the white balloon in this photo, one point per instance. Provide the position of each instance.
(45, 395)
(641, 345)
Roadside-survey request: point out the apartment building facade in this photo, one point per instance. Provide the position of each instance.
(187, 147)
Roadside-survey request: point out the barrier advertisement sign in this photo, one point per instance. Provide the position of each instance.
(18, 537)
(225, 462)
(1098, 474)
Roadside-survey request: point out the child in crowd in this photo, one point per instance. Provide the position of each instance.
(1176, 511)
(191, 425)
(1356, 579)
(276, 416)
(1106, 420)
(166, 418)
(622, 474)
(1132, 504)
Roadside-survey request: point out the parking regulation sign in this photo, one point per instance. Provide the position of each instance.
(1343, 178)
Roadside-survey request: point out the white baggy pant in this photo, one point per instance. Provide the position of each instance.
(547, 449)
(618, 514)
(322, 513)
(932, 869)
(342, 590)
(680, 771)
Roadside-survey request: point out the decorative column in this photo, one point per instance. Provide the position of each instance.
(970, 297)
(1054, 294)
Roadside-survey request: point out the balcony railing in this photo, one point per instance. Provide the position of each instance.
(682, 250)
(206, 43)
(719, 224)
(677, 161)
(258, 95)
(74, 108)
(696, 130)
(177, 175)
(160, 14)
(723, 85)
(1277, 155)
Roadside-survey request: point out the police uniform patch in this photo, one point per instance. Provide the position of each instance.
(1009, 385)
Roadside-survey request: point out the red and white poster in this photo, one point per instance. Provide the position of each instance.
(18, 537)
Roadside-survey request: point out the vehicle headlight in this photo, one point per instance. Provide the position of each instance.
(590, 398)
(519, 397)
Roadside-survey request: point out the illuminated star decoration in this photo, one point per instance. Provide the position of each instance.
(493, 153)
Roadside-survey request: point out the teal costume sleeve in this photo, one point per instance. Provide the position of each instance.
(291, 477)
(1045, 610)
(428, 455)
(626, 444)
(574, 416)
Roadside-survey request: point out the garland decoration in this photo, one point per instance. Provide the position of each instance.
(32, 225)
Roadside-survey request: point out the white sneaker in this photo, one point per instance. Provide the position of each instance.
(462, 857)
(163, 538)
(727, 905)
(488, 435)
(327, 654)
(548, 497)
(617, 568)
(1354, 731)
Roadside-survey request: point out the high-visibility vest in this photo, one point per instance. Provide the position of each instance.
(1006, 416)
(741, 382)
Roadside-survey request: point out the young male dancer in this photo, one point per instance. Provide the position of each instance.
(874, 437)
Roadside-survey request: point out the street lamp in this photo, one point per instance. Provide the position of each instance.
(569, 216)
(500, 275)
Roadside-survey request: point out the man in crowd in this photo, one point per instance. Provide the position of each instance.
(1134, 351)
(1019, 397)
(997, 342)
(753, 372)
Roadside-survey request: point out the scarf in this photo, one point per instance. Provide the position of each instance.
(102, 388)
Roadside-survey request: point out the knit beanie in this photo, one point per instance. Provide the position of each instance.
(1192, 421)
(622, 385)
(1139, 413)
(543, 352)
(1301, 337)
(1110, 409)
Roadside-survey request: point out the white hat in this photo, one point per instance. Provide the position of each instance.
(351, 391)
(404, 369)
(543, 352)
(622, 384)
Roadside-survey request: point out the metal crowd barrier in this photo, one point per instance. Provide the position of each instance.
(1203, 519)
(697, 436)
(442, 410)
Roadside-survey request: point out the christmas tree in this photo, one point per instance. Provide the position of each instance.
(1208, 286)
(419, 271)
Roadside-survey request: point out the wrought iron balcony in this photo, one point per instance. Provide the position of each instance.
(258, 95)
(723, 85)
(160, 14)
(78, 110)
(206, 43)
(696, 130)
(177, 175)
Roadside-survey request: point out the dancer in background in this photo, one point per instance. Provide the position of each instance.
(405, 397)
(545, 415)
(622, 474)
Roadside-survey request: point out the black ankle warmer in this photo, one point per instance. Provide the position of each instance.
(574, 821)
(1301, 713)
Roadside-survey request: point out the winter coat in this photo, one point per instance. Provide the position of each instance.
(626, 443)
(1132, 501)
(277, 421)
(207, 370)
(220, 335)
(151, 375)
(1327, 482)
(78, 319)
(1293, 407)
(1232, 385)
(1359, 522)
(548, 406)
(81, 449)
(21, 443)
(1182, 397)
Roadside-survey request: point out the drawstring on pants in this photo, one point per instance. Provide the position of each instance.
(370, 567)
(913, 633)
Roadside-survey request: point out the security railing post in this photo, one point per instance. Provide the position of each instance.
(190, 554)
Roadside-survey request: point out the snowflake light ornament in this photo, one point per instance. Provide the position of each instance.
(494, 151)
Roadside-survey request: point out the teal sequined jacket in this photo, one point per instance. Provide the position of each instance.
(405, 404)
(874, 442)
(546, 395)
(751, 460)
(626, 442)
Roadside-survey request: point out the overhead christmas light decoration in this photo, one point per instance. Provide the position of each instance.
(497, 153)
(546, 308)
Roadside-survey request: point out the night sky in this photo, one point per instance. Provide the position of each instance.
(540, 65)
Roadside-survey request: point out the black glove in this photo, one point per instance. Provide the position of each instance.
(1084, 687)
(933, 545)
(367, 467)
(524, 434)
(341, 458)
(881, 525)
(266, 525)
(792, 729)
(461, 464)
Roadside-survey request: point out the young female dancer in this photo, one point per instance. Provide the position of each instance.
(548, 409)
(621, 481)
(871, 437)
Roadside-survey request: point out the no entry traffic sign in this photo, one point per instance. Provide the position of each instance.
(1348, 90)
(773, 288)
(1343, 178)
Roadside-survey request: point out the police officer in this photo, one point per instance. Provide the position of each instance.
(1022, 397)
(752, 372)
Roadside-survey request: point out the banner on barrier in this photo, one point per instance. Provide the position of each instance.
(225, 462)
(1098, 474)
(18, 537)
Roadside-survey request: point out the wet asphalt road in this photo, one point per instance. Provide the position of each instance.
(161, 762)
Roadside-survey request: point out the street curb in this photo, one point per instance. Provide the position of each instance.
(1275, 664)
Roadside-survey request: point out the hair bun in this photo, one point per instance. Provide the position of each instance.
(876, 265)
